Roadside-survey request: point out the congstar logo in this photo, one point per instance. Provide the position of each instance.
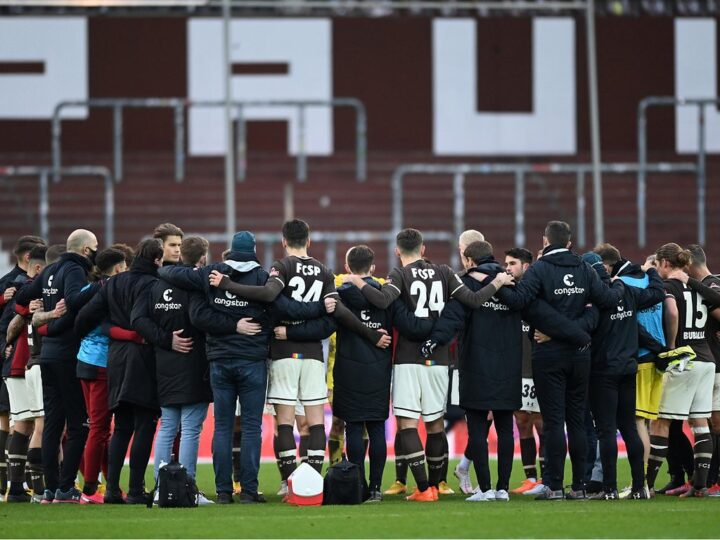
(166, 295)
(568, 280)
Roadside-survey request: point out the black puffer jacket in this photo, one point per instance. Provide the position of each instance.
(362, 371)
(490, 357)
(131, 366)
(182, 378)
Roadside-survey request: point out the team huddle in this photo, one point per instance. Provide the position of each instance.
(98, 346)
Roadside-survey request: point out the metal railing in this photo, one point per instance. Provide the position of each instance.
(268, 240)
(671, 101)
(520, 171)
(43, 175)
(180, 105)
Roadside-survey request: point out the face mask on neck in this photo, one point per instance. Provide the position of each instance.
(91, 256)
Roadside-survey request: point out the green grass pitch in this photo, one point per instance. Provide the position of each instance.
(452, 517)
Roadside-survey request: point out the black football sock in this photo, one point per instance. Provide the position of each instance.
(236, 440)
(34, 467)
(400, 462)
(90, 488)
(4, 435)
(714, 463)
(286, 450)
(703, 450)
(433, 452)
(316, 447)
(17, 456)
(303, 448)
(658, 453)
(414, 455)
(528, 454)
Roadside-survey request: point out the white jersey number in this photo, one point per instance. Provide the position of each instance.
(424, 306)
(313, 294)
(697, 315)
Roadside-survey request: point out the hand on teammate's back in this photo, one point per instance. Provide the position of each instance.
(281, 332)
(330, 304)
(503, 279)
(9, 293)
(247, 327)
(60, 309)
(384, 341)
(216, 278)
(679, 274)
(181, 344)
(428, 348)
(539, 337)
(354, 279)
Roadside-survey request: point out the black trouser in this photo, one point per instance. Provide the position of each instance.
(561, 382)
(680, 457)
(377, 449)
(138, 423)
(612, 399)
(478, 428)
(64, 404)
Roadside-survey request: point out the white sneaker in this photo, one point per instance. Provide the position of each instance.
(625, 493)
(156, 497)
(537, 490)
(490, 495)
(283, 488)
(502, 495)
(464, 477)
(478, 496)
(202, 500)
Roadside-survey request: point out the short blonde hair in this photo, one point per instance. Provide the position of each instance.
(470, 236)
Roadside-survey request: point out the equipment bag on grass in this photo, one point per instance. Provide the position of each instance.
(344, 484)
(176, 488)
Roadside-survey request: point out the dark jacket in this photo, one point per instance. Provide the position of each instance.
(182, 378)
(223, 341)
(490, 347)
(9, 280)
(615, 342)
(362, 372)
(62, 280)
(131, 366)
(568, 284)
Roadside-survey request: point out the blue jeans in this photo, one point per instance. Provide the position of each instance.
(231, 380)
(189, 419)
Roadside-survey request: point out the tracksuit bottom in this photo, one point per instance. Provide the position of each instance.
(478, 428)
(377, 449)
(138, 423)
(95, 457)
(612, 400)
(64, 406)
(561, 382)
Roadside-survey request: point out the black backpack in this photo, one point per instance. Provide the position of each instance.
(175, 487)
(344, 484)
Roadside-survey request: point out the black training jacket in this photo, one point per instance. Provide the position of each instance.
(568, 284)
(362, 372)
(615, 342)
(182, 378)
(490, 346)
(131, 366)
(63, 279)
(223, 342)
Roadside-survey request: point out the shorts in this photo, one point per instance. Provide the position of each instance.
(455, 388)
(649, 388)
(716, 394)
(689, 393)
(419, 390)
(26, 399)
(529, 397)
(293, 380)
(4, 398)
(270, 409)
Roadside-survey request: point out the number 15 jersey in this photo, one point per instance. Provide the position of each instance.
(304, 279)
(425, 288)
